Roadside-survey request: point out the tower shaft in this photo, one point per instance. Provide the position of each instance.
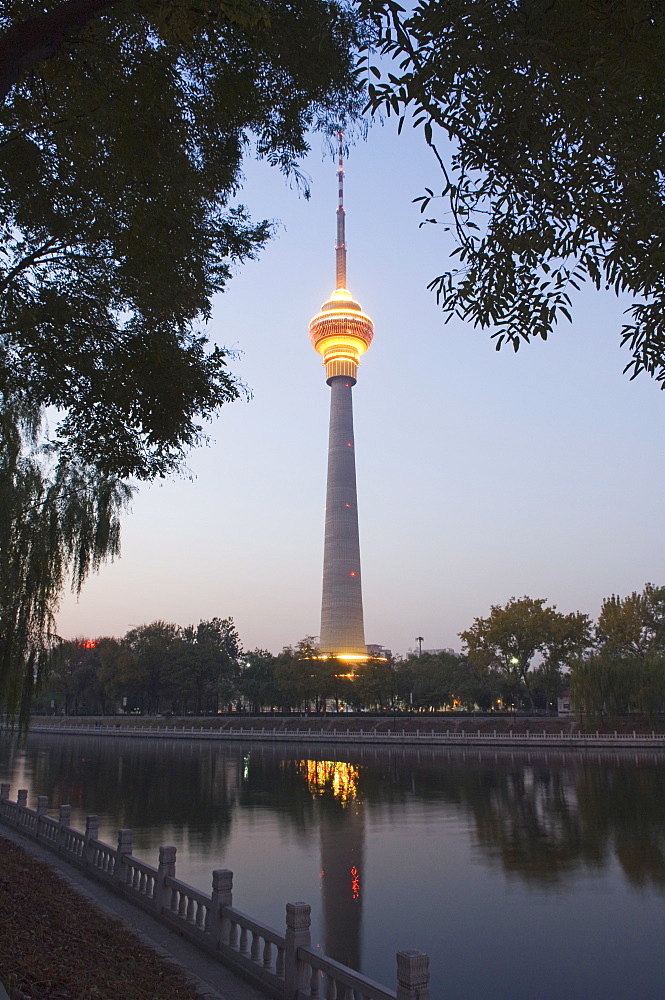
(342, 629)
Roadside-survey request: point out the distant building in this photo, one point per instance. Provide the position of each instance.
(375, 650)
(432, 652)
(563, 704)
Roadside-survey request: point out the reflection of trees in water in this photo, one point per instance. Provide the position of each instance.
(626, 808)
(542, 816)
(141, 784)
(529, 818)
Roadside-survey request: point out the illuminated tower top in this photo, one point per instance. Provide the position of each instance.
(341, 332)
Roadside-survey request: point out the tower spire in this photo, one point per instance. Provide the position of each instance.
(341, 332)
(340, 249)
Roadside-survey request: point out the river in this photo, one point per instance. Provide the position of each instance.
(524, 876)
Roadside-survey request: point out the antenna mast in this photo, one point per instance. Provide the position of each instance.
(340, 249)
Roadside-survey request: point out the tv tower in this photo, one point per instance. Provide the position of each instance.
(341, 332)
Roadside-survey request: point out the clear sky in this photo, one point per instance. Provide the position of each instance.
(481, 475)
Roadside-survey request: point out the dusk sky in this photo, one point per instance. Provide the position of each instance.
(481, 475)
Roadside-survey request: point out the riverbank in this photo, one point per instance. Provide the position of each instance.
(346, 723)
(385, 730)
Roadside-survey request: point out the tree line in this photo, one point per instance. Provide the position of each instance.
(522, 656)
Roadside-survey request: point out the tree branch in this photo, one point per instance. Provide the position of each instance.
(27, 261)
(25, 44)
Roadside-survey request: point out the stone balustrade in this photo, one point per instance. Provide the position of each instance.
(370, 737)
(284, 965)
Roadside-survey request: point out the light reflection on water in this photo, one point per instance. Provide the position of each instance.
(522, 876)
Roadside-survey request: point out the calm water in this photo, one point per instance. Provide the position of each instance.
(525, 877)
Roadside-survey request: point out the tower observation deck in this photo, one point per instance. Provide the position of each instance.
(341, 333)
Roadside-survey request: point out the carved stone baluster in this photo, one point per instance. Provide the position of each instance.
(121, 870)
(244, 935)
(314, 984)
(91, 833)
(222, 895)
(191, 911)
(64, 819)
(267, 954)
(165, 870)
(233, 935)
(42, 810)
(412, 975)
(280, 962)
(21, 805)
(255, 952)
(331, 987)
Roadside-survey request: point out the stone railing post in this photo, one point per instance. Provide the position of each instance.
(165, 869)
(4, 798)
(412, 975)
(91, 833)
(64, 818)
(222, 895)
(22, 803)
(298, 920)
(42, 809)
(125, 838)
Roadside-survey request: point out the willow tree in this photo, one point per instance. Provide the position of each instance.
(546, 118)
(123, 128)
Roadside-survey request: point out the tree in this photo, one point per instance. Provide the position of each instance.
(256, 682)
(207, 659)
(73, 681)
(635, 624)
(109, 256)
(374, 685)
(511, 636)
(155, 648)
(628, 671)
(600, 685)
(122, 132)
(297, 674)
(554, 112)
(54, 526)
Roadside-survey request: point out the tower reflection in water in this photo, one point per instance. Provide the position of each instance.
(342, 838)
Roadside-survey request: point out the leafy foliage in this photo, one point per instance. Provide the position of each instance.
(53, 527)
(634, 624)
(119, 157)
(122, 133)
(554, 109)
(627, 672)
(510, 637)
